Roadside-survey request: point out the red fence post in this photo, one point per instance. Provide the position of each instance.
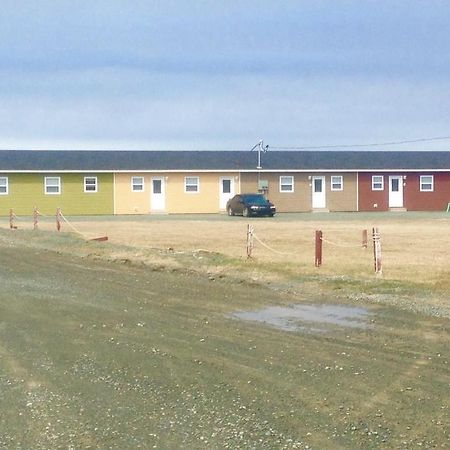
(318, 259)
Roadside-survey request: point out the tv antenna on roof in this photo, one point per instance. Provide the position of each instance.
(261, 148)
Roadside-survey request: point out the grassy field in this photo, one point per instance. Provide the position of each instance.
(134, 343)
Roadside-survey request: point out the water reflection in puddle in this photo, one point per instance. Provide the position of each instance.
(311, 318)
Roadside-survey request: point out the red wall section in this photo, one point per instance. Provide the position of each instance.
(372, 200)
(413, 199)
(427, 201)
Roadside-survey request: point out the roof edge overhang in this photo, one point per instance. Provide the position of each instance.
(287, 170)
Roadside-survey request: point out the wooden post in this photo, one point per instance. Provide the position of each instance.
(364, 238)
(35, 218)
(318, 259)
(249, 240)
(58, 219)
(12, 217)
(377, 251)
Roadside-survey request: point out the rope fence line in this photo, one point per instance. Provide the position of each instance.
(58, 216)
(338, 244)
(71, 226)
(35, 216)
(319, 240)
(270, 248)
(251, 236)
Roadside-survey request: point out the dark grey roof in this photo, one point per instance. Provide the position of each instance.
(77, 160)
(122, 160)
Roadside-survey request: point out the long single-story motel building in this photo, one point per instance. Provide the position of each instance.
(146, 182)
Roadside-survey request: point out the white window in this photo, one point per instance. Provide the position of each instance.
(337, 183)
(4, 186)
(191, 185)
(286, 184)
(52, 185)
(426, 183)
(137, 184)
(90, 184)
(377, 182)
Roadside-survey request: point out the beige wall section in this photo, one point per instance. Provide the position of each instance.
(345, 200)
(300, 200)
(206, 200)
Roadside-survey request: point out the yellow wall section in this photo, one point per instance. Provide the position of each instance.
(205, 201)
(27, 191)
(128, 202)
(177, 200)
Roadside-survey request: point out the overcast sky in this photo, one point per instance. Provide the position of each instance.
(135, 74)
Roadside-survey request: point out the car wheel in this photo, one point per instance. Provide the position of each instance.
(230, 211)
(246, 212)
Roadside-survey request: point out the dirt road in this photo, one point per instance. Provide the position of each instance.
(98, 354)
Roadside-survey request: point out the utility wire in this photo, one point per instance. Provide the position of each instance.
(442, 138)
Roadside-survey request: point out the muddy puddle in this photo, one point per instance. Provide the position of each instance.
(310, 318)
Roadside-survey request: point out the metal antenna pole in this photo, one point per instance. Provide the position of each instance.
(261, 148)
(259, 155)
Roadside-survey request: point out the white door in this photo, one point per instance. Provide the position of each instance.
(396, 192)
(158, 194)
(318, 192)
(226, 191)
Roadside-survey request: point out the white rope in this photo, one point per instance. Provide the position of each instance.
(15, 216)
(337, 244)
(270, 248)
(71, 226)
(42, 215)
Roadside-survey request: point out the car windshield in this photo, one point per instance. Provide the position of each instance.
(255, 199)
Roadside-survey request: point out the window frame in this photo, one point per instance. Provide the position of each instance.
(134, 184)
(423, 183)
(378, 182)
(46, 186)
(90, 191)
(341, 183)
(196, 185)
(6, 186)
(291, 184)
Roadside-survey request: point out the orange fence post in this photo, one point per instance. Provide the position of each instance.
(318, 258)
(35, 218)
(58, 219)
(12, 217)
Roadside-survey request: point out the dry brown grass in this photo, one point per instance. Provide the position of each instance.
(415, 246)
(412, 249)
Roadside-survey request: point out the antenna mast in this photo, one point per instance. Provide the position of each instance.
(261, 148)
